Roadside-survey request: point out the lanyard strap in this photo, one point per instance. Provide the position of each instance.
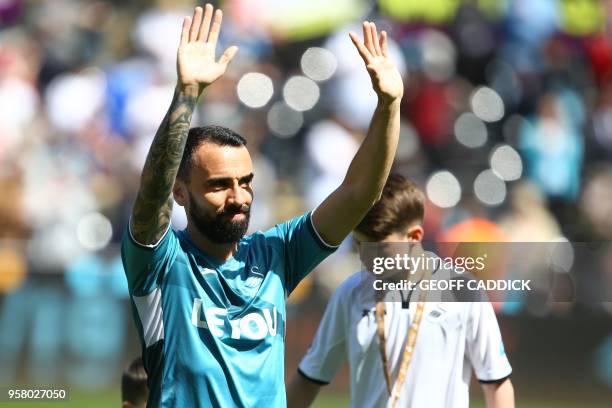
(380, 328)
(394, 389)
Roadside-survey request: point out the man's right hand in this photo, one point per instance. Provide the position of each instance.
(196, 65)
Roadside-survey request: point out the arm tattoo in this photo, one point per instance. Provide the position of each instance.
(153, 206)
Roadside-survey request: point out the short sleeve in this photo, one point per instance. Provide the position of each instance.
(327, 352)
(302, 246)
(146, 265)
(485, 346)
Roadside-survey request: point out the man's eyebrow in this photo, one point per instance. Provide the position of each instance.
(247, 178)
(218, 180)
(223, 180)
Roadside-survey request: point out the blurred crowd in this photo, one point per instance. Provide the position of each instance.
(506, 119)
(507, 115)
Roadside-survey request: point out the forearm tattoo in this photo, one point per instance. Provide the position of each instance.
(153, 206)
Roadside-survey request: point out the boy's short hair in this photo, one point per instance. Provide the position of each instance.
(134, 383)
(401, 203)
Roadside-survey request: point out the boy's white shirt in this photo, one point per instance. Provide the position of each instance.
(453, 339)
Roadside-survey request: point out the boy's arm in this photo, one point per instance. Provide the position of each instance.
(325, 355)
(499, 395)
(485, 350)
(301, 392)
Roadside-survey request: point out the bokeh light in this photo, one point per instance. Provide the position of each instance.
(94, 231)
(506, 163)
(489, 188)
(284, 121)
(255, 89)
(301, 93)
(470, 131)
(318, 63)
(487, 104)
(443, 189)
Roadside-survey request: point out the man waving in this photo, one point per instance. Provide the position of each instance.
(208, 301)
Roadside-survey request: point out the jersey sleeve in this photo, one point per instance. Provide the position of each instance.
(302, 247)
(327, 352)
(146, 265)
(484, 346)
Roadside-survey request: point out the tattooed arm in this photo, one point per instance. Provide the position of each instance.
(153, 206)
(196, 68)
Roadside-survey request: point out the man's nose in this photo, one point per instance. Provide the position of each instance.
(238, 195)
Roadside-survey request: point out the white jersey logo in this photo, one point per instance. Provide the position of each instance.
(206, 271)
(254, 279)
(253, 326)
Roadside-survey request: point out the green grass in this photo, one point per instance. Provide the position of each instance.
(328, 400)
(331, 401)
(76, 399)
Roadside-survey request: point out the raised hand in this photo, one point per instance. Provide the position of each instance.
(386, 79)
(196, 63)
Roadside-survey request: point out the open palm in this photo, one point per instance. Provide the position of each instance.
(196, 63)
(386, 79)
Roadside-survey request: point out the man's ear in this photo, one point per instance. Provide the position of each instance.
(180, 193)
(415, 233)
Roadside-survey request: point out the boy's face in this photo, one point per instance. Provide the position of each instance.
(390, 246)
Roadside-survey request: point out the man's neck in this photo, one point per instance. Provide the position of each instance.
(222, 252)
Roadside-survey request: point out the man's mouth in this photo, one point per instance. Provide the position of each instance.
(234, 215)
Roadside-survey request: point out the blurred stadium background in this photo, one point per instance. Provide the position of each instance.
(507, 125)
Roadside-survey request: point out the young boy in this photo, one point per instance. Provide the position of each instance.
(134, 391)
(438, 343)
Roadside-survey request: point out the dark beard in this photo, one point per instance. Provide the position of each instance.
(218, 229)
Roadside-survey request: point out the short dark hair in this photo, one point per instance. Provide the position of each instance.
(218, 135)
(134, 383)
(400, 204)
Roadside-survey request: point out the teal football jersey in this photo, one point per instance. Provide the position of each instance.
(213, 332)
